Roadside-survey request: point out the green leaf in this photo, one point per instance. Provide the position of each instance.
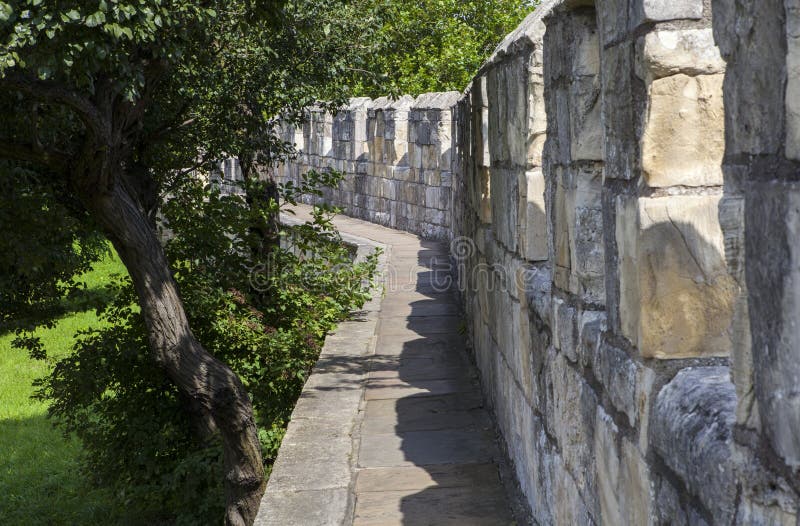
(6, 12)
(96, 19)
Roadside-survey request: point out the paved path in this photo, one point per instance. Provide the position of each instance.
(422, 446)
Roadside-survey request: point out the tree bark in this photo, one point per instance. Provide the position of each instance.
(216, 394)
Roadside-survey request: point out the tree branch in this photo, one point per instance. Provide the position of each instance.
(15, 151)
(53, 93)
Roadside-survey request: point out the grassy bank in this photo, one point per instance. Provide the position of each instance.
(39, 478)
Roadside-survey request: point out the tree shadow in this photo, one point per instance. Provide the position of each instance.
(39, 478)
(428, 443)
(77, 300)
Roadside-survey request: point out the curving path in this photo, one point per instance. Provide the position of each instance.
(391, 427)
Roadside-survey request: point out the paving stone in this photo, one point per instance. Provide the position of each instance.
(416, 478)
(476, 506)
(418, 309)
(421, 370)
(317, 508)
(421, 326)
(397, 388)
(407, 414)
(434, 404)
(412, 344)
(423, 448)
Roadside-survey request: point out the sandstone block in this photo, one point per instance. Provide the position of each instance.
(571, 414)
(623, 477)
(504, 204)
(688, 51)
(563, 231)
(684, 138)
(532, 220)
(676, 295)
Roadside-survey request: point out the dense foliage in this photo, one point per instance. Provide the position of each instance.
(434, 45)
(57, 247)
(112, 106)
(265, 317)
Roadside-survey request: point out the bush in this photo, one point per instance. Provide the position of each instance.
(263, 312)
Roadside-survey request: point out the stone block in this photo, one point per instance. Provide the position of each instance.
(676, 294)
(565, 329)
(587, 127)
(537, 119)
(669, 52)
(533, 219)
(585, 53)
(618, 373)
(621, 150)
(430, 157)
(559, 138)
(684, 137)
(614, 20)
(570, 508)
(623, 477)
(571, 415)
(661, 10)
(591, 325)
(504, 202)
(755, 513)
(692, 432)
(668, 507)
(772, 218)
(514, 98)
(793, 80)
(538, 291)
(432, 197)
(588, 259)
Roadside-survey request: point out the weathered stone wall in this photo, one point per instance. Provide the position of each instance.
(395, 156)
(759, 40)
(638, 345)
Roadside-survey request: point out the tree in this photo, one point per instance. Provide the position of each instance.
(112, 103)
(434, 45)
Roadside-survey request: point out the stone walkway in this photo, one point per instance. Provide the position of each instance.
(415, 444)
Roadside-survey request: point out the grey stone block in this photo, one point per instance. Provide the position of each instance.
(618, 373)
(691, 430)
(661, 10)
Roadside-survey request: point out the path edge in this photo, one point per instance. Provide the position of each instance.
(330, 501)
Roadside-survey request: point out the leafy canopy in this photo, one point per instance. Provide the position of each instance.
(434, 45)
(173, 85)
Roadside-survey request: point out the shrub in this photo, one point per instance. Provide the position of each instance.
(264, 312)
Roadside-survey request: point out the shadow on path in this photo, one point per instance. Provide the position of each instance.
(428, 453)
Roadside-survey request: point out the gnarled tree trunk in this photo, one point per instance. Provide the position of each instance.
(216, 394)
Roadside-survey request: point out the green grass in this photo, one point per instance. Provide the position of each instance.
(39, 478)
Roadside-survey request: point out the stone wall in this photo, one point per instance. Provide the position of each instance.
(396, 157)
(638, 346)
(759, 40)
